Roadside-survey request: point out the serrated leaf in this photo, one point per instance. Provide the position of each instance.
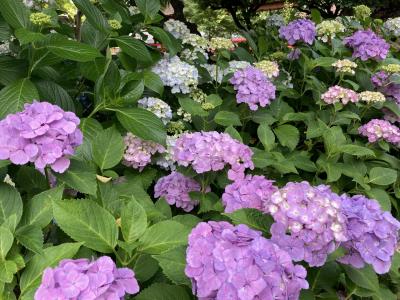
(142, 123)
(7, 270)
(266, 136)
(134, 48)
(79, 177)
(145, 267)
(108, 148)
(227, 118)
(163, 236)
(288, 136)
(163, 291)
(93, 15)
(10, 204)
(31, 237)
(133, 221)
(192, 107)
(12, 69)
(173, 263)
(381, 196)
(365, 277)
(25, 36)
(15, 95)
(233, 133)
(149, 8)
(92, 224)
(357, 150)
(252, 217)
(72, 50)
(15, 13)
(382, 176)
(166, 39)
(6, 241)
(153, 82)
(55, 94)
(30, 278)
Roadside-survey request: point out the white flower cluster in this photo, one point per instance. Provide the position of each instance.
(179, 75)
(391, 68)
(5, 48)
(37, 4)
(393, 26)
(158, 107)
(198, 45)
(217, 73)
(327, 30)
(166, 160)
(145, 37)
(345, 66)
(268, 67)
(134, 10)
(236, 65)
(275, 20)
(177, 28)
(187, 117)
(217, 43)
(369, 97)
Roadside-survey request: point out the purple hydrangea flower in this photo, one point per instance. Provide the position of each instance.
(236, 262)
(253, 87)
(138, 152)
(339, 94)
(367, 44)
(43, 134)
(301, 30)
(250, 192)
(373, 233)
(294, 54)
(381, 80)
(376, 130)
(85, 279)
(211, 151)
(175, 188)
(313, 218)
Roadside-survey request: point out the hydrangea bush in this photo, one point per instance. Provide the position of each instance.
(140, 160)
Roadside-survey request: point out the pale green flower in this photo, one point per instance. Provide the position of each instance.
(327, 30)
(220, 43)
(369, 97)
(268, 67)
(362, 12)
(114, 24)
(391, 68)
(40, 19)
(345, 66)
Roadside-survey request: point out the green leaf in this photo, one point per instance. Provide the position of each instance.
(73, 50)
(79, 177)
(266, 136)
(93, 37)
(288, 136)
(135, 91)
(10, 205)
(166, 39)
(93, 15)
(31, 237)
(393, 107)
(142, 123)
(233, 133)
(227, 118)
(92, 225)
(149, 8)
(251, 217)
(55, 93)
(163, 236)
(356, 150)
(108, 148)
(192, 107)
(6, 241)
(173, 263)
(333, 138)
(12, 69)
(145, 267)
(25, 36)
(384, 294)
(163, 291)
(153, 82)
(15, 95)
(7, 270)
(365, 277)
(324, 62)
(381, 196)
(32, 275)
(134, 48)
(15, 13)
(382, 176)
(316, 15)
(133, 221)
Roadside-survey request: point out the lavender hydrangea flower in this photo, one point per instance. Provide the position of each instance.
(299, 31)
(312, 216)
(43, 134)
(339, 94)
(294, 54)
(367, 44)
(211, 151)
(253, 87)
(376, 130)
(373, 233)
(381, 80)
(175, 188)
(138, 152)
(236, 262)
(85, 279)
(250, 192)
(158, 107)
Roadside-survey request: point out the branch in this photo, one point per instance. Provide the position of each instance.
(235, 18)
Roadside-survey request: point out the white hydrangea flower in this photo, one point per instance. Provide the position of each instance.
(177, 28)
(345, 66)
(166, 160)
(268, 67)
(157, 107)
(393, 26)
(369, 97)
(216, 73)
(177, 74)
(193, 54)
(187, 117)
(235, 65)
(5, 48)
(217, 43)
(133, 10)
(327, 30)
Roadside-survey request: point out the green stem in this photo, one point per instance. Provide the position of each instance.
(316, 279)
(118, 257)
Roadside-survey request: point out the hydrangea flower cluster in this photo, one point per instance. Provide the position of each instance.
(211, 151)
(216, 73)
(339, 94)
(236, 65)
(253, 88)
(268, 67)
(115, 24)
(158, 107)
(381, 80)
(166, 159)
(294, 54)
(5, 47)
(374, 234)
(345, 66)
(368, 96)
(376, 130)
(362, 12)
(199, 45)
(40, 19)
(391, 68)
(179, 75)
(187, 117)
(236, 262)
(138, 152)
(299, 31)
(175, 189)
(85, 279)
(275, 20)
(177, 28)
(393, 26)
(327, 30)
(367, 44)
(250, 192)
(43, 134)
(313, 217)
(218, 43)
